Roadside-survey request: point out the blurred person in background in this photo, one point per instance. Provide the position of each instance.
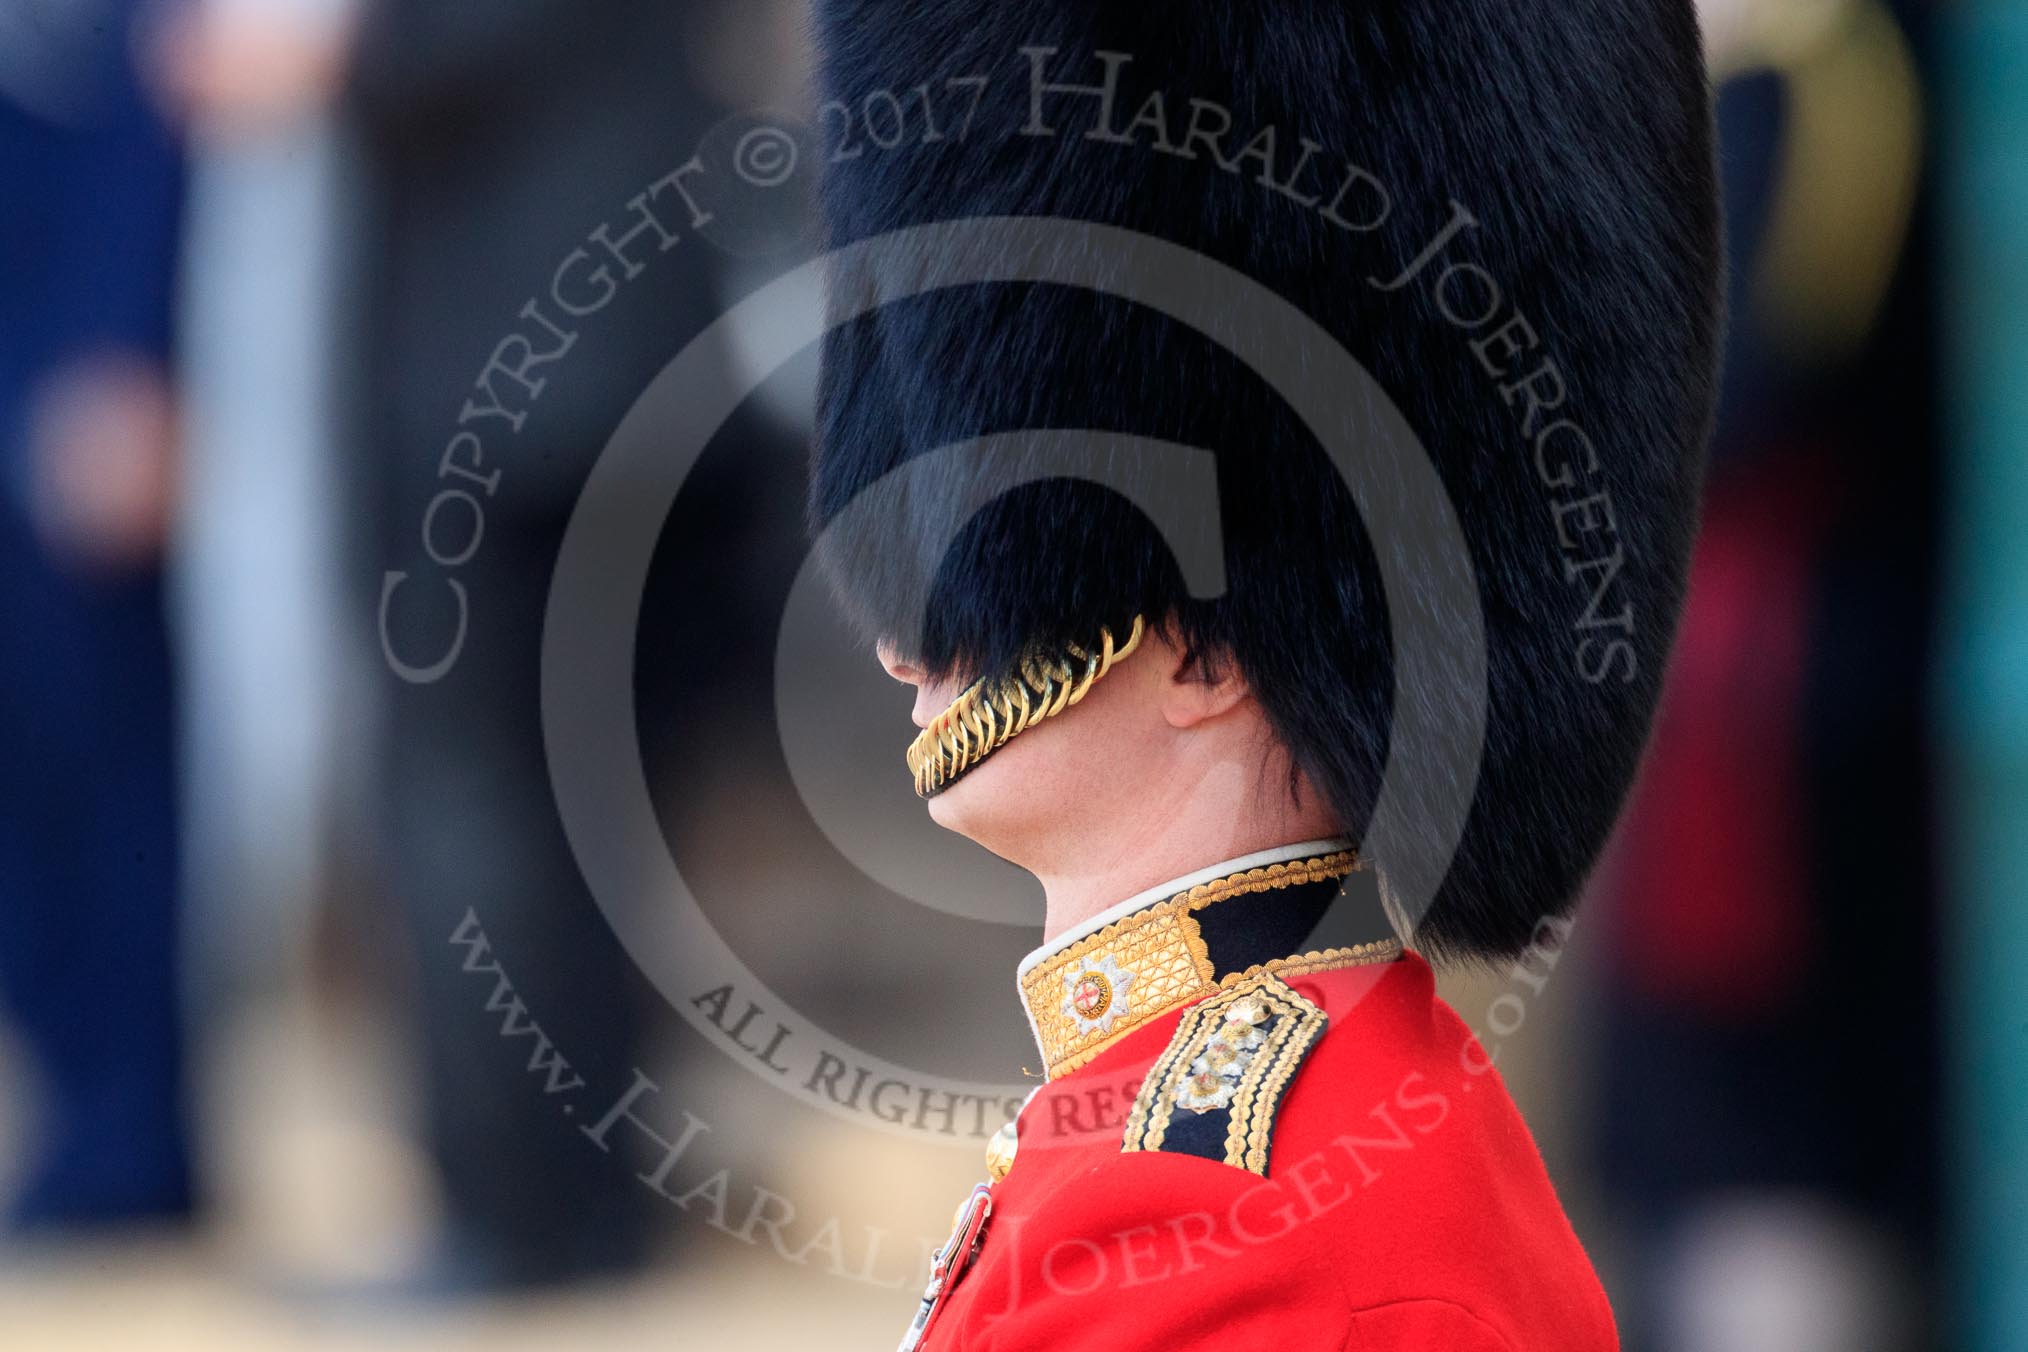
(490, 141)
(89, 951)
(1770, 1086)
(270, 695)
(502, 140)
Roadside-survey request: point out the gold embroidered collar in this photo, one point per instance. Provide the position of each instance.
(1147, 956)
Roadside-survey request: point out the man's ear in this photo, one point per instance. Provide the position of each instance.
(1199, 690)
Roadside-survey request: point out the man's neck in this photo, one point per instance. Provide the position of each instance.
(1148, 854)
(1098, 916)
(1072, 901)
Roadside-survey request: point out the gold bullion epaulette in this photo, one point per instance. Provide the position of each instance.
(1217, 1088)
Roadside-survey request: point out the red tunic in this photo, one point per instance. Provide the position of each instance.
(1404, 1206)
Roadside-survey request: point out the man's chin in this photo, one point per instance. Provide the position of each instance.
(1000, 803)
(970, 806)
(952, 808)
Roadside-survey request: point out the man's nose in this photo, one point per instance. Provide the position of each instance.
(890, 659)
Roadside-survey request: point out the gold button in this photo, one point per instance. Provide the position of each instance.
(1000, 1152)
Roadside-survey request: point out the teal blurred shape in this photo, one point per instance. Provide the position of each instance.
(1983, 675)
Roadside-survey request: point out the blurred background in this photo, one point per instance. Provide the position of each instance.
(314, 316)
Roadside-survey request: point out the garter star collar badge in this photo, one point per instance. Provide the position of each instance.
(1095, 994)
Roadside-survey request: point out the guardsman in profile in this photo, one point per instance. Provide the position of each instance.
(1434, 287)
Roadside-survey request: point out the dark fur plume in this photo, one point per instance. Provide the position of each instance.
(1576, 132)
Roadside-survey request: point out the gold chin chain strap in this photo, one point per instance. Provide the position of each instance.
(991, 710)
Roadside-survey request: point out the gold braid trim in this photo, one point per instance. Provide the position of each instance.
(1148, 1119)
(1291, 873)
(1320, 960)
(996, 708)
(1259, 1097)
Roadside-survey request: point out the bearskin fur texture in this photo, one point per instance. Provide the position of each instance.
(1573, 139)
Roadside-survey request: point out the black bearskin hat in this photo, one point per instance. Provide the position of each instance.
(1503, 210)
